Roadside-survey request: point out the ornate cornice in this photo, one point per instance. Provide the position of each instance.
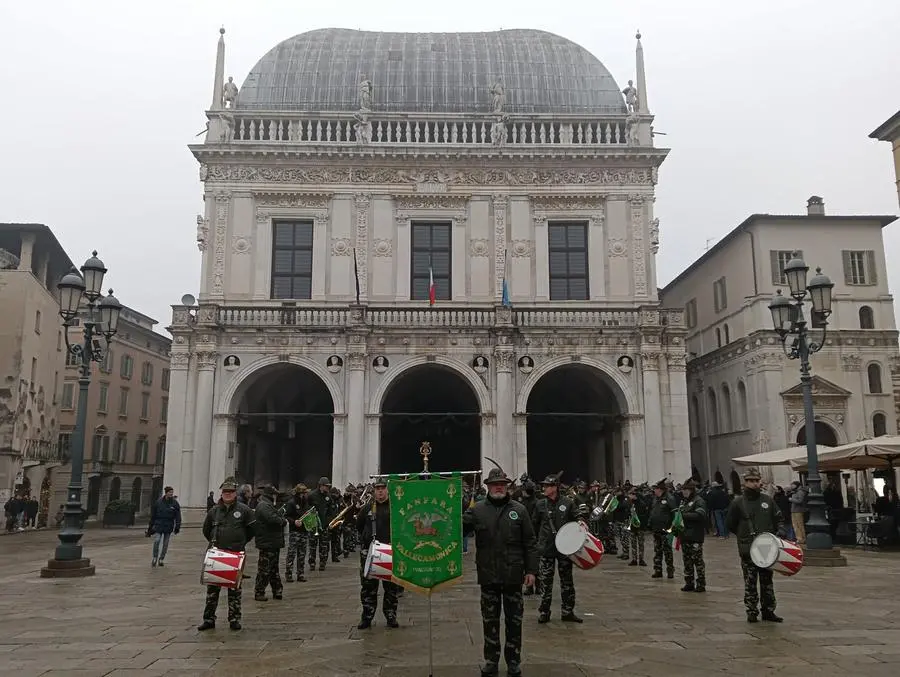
(428, 202)
(245, 173)
(270, 200)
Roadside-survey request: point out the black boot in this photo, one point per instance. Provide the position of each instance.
(235, 625)
(392, 622)
(688, 587)
(544, 617)
(207, 625)
(571, 618)
(771, 617)
(364, 623)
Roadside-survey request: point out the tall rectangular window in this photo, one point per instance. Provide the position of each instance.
(145, 406)
(690, 313)
(164, 411)
(568, 261)
(292, 254)
(720, 295)
(166, 376)
(103, 403)
(127, 366)
(431, 254)
(779, 258)
(68, 396)
(147, 373)
(121, 447)
(859, 267)
(123, 402)
(141, 450)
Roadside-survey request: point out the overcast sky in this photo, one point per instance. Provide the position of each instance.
(763, 104)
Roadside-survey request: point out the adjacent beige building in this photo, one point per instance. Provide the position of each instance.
(32, 354)
(890, 131)
(351, 173)
(744, 393)
(128, 405)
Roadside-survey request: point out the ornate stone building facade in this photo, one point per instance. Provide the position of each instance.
(745, 395)
(426, 237)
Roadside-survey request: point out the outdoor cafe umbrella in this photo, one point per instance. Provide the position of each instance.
(872, 454)
(787, 456)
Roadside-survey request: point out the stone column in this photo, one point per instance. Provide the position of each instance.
(769, 384)
(355, 447)
(679, 429)
(637, 461)
(373, 446)
(520, 428)
(653, 423)
(340, 474)
(175, 428)
(503, 405)
(221, 457)
(488, 439)
(200, 479)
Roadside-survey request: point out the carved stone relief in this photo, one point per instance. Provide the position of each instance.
(522, 248)
(617, 247)
(240, 244)
(851, 362)
(341, 246)
(223, 200)
(390, 175)
(478, 247)
(637, 244)
(361, 202)
(383, 247)
(500, 203)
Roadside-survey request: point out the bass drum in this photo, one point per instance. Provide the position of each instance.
(776, 554)
(575, 541)
(379, 562)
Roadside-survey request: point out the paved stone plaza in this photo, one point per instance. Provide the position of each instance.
(130, 619)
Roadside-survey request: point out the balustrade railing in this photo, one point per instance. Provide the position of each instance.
(413, 318)
(43, 451)
(388, 128)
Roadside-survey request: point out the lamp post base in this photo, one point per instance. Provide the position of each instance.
(831, 557)
(69, 568)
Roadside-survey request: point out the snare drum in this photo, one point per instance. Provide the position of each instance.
(379, 562)
(223, 568)
(575, 541)
(770, 552)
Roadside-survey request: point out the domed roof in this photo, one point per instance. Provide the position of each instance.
(430, 72)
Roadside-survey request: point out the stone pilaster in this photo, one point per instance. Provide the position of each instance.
(653, 423)
(200, 479)
(176, 428)
(504, 442)
(354, 451)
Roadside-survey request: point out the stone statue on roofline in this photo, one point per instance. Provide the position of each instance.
(498, 97)
(632, 97)
(365, 93)
(229, 93)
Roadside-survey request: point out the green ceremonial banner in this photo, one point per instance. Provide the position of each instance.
(426, 531)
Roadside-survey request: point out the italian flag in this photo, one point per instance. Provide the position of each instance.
(430, 286)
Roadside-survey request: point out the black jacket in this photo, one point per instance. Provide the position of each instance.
(549, 516)
(374, 523)
(294, 509)
(661, 512)
(751, 514)
(269, 525)
(504, 540)
(324, 504)
(229, 527)
(165, 516)
(694, 512)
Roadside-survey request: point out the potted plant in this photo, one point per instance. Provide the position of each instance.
(119, 513)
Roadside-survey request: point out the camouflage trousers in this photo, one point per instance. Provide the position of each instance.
(623, 536)
(662, 548)
(636, 541)
(694, 566)
(318, 543)
(510, 600)
(212, 601)
(368, 593)
(765, 598)
(296, 551)
(267, 572)
(349, 539)
(566, 584)
(336, 538)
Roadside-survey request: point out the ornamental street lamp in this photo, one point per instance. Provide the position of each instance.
(789, 320)
(80, 297)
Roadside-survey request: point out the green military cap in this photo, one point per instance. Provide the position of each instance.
(752, 474)
(229, 483)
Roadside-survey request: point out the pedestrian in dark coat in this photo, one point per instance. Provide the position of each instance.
(269, 542)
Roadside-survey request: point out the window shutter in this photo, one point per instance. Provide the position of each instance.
(871, 270)
(848, 276)
(774, 259)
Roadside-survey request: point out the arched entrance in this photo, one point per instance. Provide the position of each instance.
(93, 495)
(115, 489)
(433, 403)
(284, 427)
(825, 435)
(574, 424)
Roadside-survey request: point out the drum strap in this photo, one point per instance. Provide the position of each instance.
(746, 515)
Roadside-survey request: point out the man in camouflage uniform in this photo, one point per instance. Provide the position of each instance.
(506, 558)
(374, 524)
(269, 542)
(551, 512)
(348, 537)
(750, 514)
(229, 526)
(661, 513)
(638, 505)
(693, 510)
(320, 498)
(298, 537)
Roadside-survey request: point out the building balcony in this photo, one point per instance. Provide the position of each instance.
(292, 316)
(377, 128)
(102, 468)
(39, 452)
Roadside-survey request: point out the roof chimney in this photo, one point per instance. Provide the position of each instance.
(815, 206)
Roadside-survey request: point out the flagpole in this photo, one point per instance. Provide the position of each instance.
(356, 274)
(430, 640)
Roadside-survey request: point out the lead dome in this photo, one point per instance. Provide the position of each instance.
(430, 72)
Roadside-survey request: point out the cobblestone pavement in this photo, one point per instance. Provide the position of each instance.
(130, 619)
